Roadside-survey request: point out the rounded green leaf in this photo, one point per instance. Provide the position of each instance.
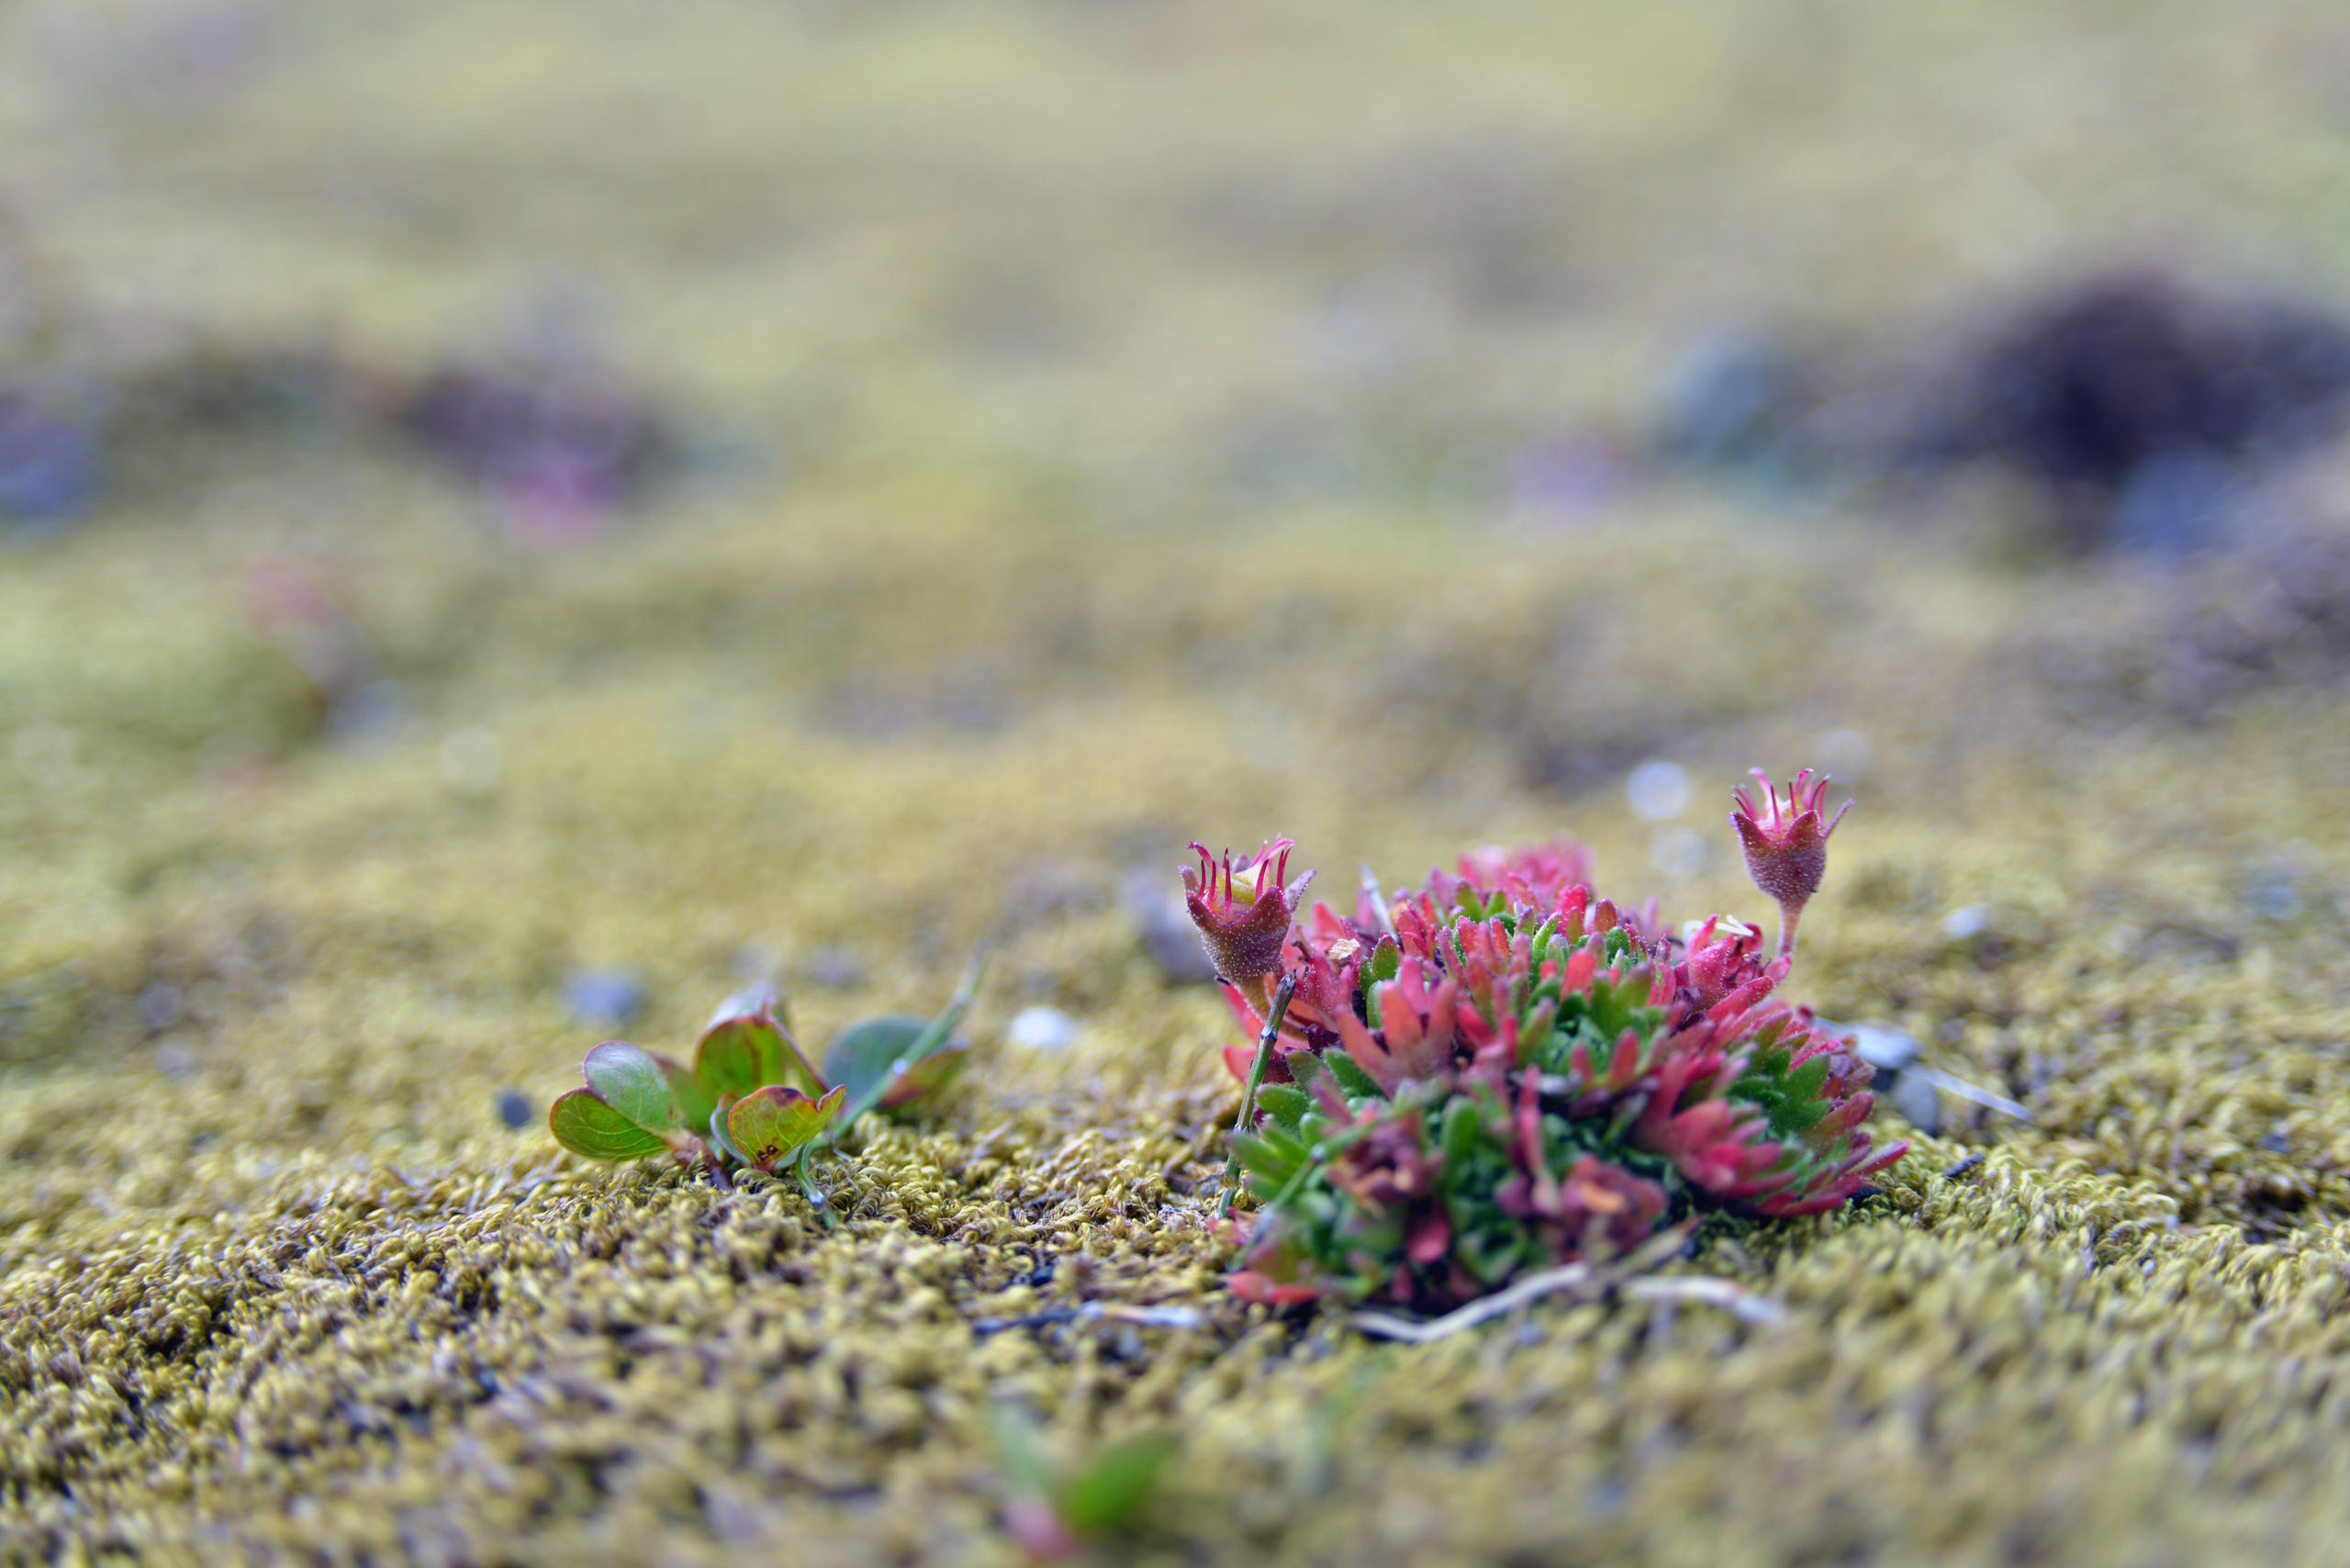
(768, 1127)
(631, 1083)
(862, 1054)
(751, 1051)
(584, 1124)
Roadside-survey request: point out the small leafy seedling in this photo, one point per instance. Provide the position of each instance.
(865, 1057)
(1057, 1510)
(749, 1098)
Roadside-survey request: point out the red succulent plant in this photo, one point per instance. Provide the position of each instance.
(1496, 1070)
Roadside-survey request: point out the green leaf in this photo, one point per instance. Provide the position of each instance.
(1104, 1494)
(1285, 1103)
(768, 1127)
(1461, 1125)
(694, 1101)
(630, 1083)
(751, 1051)
(935, 1036)
(1290, 1146)
(584, 1124)
(863, 1055)
(718, 1138)
(1805, 1081)
(1264, 1161)
(1352, 1077)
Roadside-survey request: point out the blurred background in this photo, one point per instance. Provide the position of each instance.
(516, 519)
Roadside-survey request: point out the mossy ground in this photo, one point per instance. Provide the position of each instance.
(1084, 527)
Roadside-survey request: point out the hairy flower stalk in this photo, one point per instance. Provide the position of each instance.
(1787, 843)
(1497, 1072)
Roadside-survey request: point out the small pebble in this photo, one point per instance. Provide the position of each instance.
(1728, 399)
(1566, 479)
(2275, 896)
(1966, 922)
(2174, 503)
(159, 1005)
(1042, 1029)
(1888, 1050)
(834, 968)
(1168, 934)
(603, 997)
(50, 466)
(1658, 790)
(514, 1108)
(1917, 1102)
(370, 714)
(1680, 852)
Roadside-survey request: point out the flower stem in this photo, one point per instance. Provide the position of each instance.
(1273, 1015)
(1790, 916)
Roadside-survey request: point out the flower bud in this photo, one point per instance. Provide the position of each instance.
(1244, 912)
(1787, 843)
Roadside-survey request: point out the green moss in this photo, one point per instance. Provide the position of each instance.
(275, 1279)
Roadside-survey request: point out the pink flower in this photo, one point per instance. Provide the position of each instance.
(1242, 911)
(1725, 961)
(1786, 845)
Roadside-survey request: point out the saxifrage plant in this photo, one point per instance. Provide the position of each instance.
(1498, 1071)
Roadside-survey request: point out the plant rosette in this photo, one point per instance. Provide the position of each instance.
(1496, 1072)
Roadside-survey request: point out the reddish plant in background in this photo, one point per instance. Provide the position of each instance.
(1497, 1072)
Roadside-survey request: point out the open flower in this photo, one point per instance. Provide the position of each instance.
(1787, 843)
(1242, 911)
